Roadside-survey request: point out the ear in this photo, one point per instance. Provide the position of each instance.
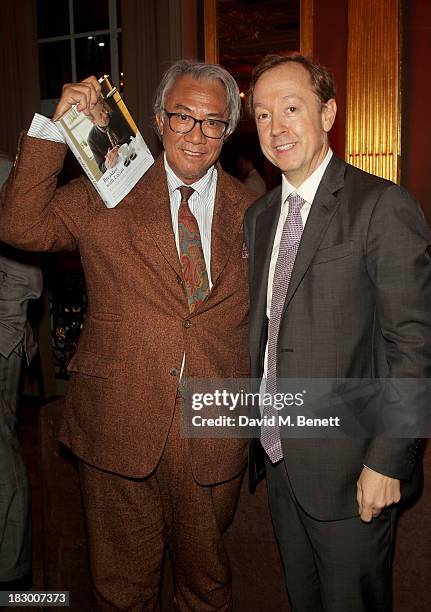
(329, 112)
(160, 123)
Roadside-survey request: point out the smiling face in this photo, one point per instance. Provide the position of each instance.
(190, 155)
(291, 121)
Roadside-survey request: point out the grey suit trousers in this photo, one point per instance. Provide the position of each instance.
(331, 566)
(15, 532)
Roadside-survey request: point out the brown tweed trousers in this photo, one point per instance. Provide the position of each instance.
(124, 376)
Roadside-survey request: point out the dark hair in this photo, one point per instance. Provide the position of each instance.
(321, 79)
(200, 71)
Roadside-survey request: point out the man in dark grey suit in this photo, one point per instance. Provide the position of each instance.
(340, 280)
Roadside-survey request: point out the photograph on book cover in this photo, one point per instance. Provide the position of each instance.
(108, 145)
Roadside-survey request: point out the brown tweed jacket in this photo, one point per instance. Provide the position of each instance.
(124, 375)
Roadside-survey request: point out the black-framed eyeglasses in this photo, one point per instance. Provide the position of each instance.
(181, 123)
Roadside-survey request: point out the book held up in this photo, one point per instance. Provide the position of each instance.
(107, 144)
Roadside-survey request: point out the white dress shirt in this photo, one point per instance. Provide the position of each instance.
(44, 128)
(201, 203)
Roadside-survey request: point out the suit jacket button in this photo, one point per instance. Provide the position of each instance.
(174, 371)
(187, 323)
(180, 281)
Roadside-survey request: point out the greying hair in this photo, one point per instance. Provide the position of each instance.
(200, 71)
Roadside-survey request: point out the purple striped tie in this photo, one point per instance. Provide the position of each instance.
(289, 243)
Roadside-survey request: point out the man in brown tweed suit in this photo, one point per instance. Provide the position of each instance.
(144, 486)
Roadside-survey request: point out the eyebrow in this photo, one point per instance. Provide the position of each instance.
(290, 96)
(190, 111)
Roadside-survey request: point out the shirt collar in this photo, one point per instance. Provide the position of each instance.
(309, 187)
(202, 186)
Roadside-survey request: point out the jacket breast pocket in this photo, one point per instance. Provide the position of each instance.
(338, 251)
(90, 364)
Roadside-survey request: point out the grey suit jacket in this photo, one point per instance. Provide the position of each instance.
(19, 283)
(358, 306)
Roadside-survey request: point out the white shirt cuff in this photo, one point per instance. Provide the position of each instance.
(44, 128)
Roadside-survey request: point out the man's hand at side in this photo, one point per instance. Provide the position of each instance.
(84, 94)
(375, 492)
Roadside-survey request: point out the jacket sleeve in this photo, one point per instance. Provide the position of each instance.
(37, 215)
(399, 265)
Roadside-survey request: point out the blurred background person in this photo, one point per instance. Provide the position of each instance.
(250, 176)
(20, 282)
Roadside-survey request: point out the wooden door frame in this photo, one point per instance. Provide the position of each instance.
(211, 29)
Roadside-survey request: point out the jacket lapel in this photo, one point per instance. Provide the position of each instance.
(154, 218)
(154, 214)
(227, 222)
(322, 210)
(266, 227)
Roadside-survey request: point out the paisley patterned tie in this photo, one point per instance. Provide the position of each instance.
(192, 259)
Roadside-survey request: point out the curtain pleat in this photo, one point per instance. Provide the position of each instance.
(19, 70)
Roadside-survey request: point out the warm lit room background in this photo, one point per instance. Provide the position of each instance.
(379, 52)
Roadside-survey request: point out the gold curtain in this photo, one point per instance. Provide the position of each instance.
(307, 27)
(373, 138)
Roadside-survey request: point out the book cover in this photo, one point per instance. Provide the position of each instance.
(107, 144)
